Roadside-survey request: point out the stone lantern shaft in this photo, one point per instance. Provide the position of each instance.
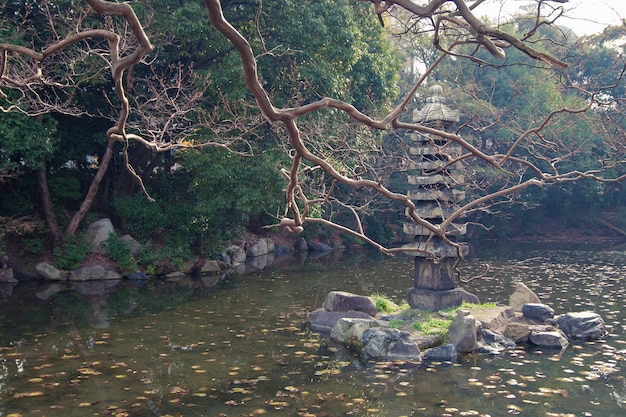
(436, 188)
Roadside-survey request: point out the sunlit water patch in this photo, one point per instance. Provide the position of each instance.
(242, 348)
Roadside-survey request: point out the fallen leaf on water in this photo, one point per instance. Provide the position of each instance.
(28, 394)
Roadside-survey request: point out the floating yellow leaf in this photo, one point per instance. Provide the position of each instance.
(88, 371)
(28, 394)
(275, 403)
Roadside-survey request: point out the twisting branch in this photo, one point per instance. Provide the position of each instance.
(463, 19)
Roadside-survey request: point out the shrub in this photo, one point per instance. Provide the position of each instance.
(120, 252)
(72, 252)
(433, 325)
(385, 304)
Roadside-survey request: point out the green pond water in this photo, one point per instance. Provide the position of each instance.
(241, 347)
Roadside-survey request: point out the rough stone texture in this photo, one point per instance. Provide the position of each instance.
(93, 273)
(210, 266)
(428, 340)
(137, 276)
(271, 246)
(441, 353)
(50, 272)
(300, 245)
(536, 311)
(554, 339)
(349, 330)
(323, 321)
(319, 247)
(258, 248)
(132, 243)
(431, 300)
(521, 296)
(494, 343)
(493, 318)
(585, 325)
(346, 301)
(518, 328)
(6, 275)
(235, 254)
(463, 332)
(98, 232)
(431, 275)
(388, 344)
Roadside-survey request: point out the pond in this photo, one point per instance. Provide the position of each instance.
(239, 347)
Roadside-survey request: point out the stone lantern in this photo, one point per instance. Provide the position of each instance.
(436, 188)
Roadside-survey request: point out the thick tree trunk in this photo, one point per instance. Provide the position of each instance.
(79, 216)
(46, 202)
(126, 184)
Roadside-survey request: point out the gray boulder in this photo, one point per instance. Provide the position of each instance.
(494, 343)
(554, 339)
(518, 329)
(258, 248)
(493, 318)
(235, 254)
(6, 276)
(301, 245)
(50, 272)
(323, 321)
(380, 343)
(319, 247)
(537, 311)
(349, 330)
(346, 301)
(98, 232)
(441, 353)
(93, 273)
(522, 295)
(463, 332)
(210, 266)
(585, 325)
(130, 241)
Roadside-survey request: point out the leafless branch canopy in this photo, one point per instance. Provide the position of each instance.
(454, 24)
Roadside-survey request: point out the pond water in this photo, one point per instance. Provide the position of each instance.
(240, 348)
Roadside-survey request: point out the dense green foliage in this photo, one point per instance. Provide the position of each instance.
(202, 198)
(306, 50)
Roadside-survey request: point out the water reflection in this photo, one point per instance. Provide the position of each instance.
(233, 346)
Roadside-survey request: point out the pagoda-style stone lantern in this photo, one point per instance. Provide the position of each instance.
(437, 187)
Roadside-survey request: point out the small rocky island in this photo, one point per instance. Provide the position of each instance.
(352, 321)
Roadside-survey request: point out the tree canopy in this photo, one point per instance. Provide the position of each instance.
(216, 107)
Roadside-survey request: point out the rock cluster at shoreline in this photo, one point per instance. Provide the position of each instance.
(254, 253)
(488, 330)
